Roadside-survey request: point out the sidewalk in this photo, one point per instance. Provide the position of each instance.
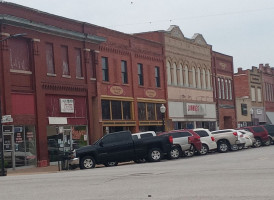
(33, 170)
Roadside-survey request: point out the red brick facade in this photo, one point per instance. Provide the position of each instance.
(32, 96)
(223, 83)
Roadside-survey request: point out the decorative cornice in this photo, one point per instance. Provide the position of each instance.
(152, 58)
(114, 50)
(75, 88)
(44, 28)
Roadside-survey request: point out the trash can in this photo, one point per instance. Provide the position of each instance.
(64, 158)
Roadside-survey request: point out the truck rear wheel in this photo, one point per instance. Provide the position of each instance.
(87, 162)
(154, 155)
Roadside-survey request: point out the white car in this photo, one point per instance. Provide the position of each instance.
(207, 139)
(249, 138)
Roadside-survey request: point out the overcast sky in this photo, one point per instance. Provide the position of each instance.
(243, 29)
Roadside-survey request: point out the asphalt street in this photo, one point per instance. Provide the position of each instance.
(246, 174)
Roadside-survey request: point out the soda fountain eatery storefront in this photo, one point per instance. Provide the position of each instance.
(193, 115)
(67, 124)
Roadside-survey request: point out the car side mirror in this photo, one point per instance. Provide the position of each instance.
(101, 144)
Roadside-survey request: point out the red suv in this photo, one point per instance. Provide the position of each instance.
(260, 135)
(185, 142)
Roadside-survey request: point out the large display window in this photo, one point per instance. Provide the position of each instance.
(63, 138)
(24, 147)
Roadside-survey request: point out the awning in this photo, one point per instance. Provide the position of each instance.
(270, 117)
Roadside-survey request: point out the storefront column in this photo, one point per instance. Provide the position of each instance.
(41, 119)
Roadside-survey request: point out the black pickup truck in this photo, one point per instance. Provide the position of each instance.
(120, 147)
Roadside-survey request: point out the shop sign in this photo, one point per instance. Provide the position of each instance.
(18, 137)
(150, 93)
(195, 109)
(7, 129)
(30, 136)
(7, 119)
(116, 90)
(259, 111)
(67, 105)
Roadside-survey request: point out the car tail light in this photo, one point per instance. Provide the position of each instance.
(170, 139)
(235, 133)
(189, 140)
(213, 139)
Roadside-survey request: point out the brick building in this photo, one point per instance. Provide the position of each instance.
(188, 69)
(249, 97)
(131, 83)
(223, 83)
(268, 91)
(48, 85)
(66, 83)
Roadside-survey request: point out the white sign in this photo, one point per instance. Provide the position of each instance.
(259, 111)
(67, 105)
(58, 120)
(7, 118)
(195, 109)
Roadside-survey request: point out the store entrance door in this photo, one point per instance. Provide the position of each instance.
(59, 141)
(9, 155)
(66, 139)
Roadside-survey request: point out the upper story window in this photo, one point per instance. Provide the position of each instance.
(50, 58)
(219, 88)
(92, 65)
(105, 69)
(140, 74)
(157, 77)
(124, 72)
(253, 95)
(79, 72)
(19, 54)
(226, 89)
(259, 93)
(230, 89)
(65, 62)
(223, 88)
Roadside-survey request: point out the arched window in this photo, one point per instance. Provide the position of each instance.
(219, 89)
(186, 76)
(174, 74)
(193, 77)
(198, 78)
(168, 73)
(204, 79)
(181, 82)
(223, 88)
(208, 80)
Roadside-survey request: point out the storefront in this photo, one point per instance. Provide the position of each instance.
(192, 115)
(67, 125)
(19, 145)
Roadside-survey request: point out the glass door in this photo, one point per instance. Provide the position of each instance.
(66, 142)
(9, 150)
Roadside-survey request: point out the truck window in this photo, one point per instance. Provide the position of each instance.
(117, 137)
(135, 137)
(145, 135)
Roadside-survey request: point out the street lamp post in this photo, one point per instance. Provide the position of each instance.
(251, 113)
(1, 131)
(163, 110)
